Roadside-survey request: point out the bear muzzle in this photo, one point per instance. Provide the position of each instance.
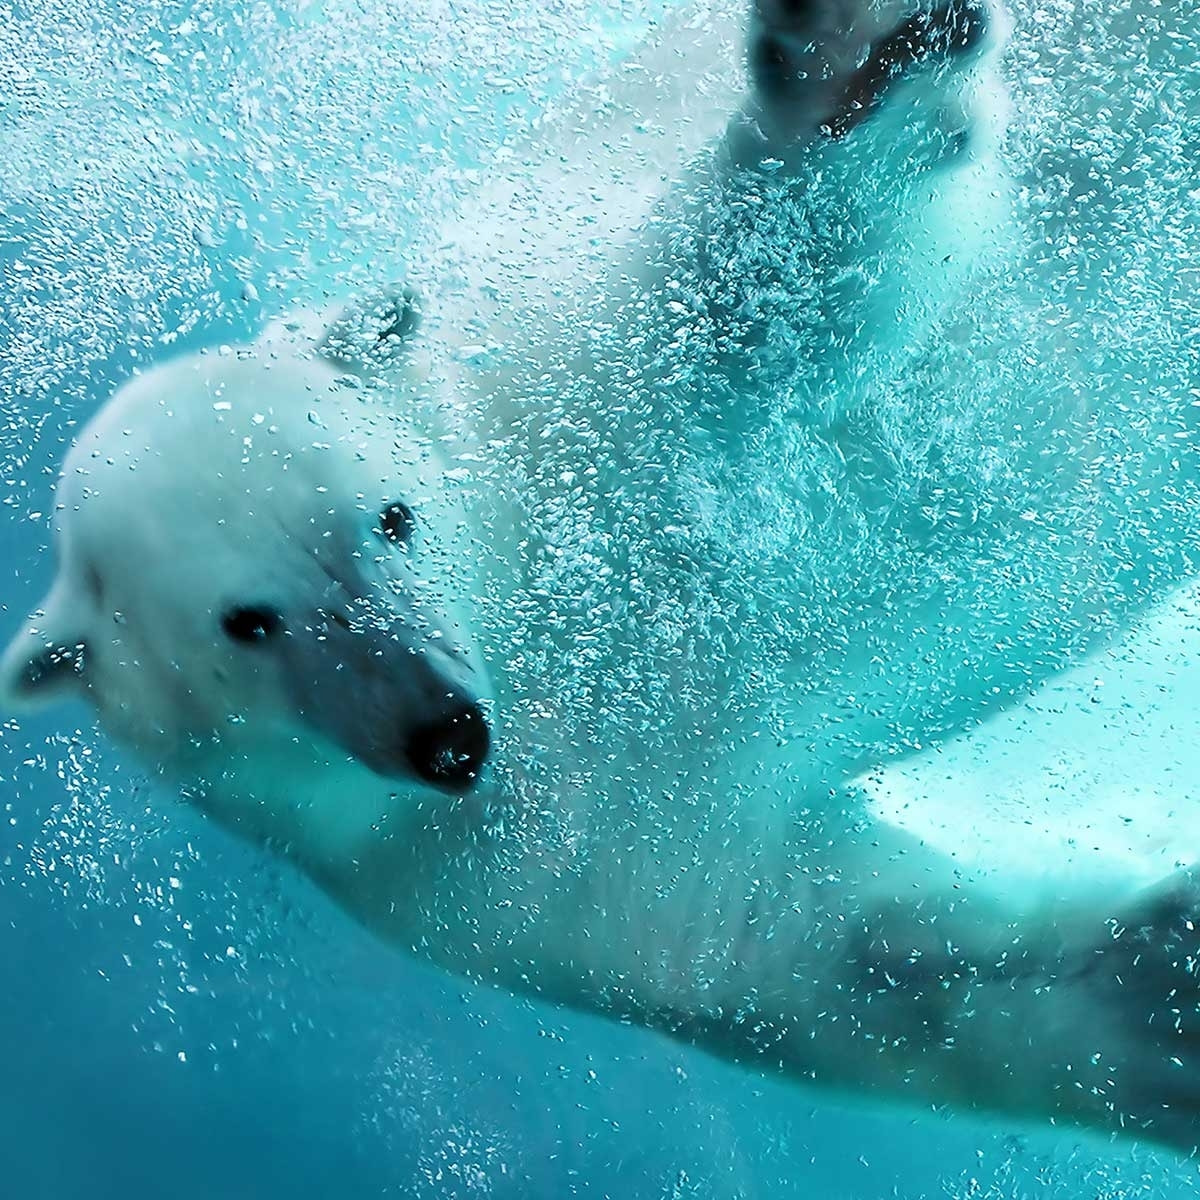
(450, 751)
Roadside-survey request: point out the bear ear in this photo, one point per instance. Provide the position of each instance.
(46, 661)
(369, 335)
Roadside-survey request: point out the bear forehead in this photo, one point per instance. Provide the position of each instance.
(214, 432)
(221, 399)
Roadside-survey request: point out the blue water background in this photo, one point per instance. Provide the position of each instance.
(179, 1016)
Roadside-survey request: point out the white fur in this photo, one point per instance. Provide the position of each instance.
(605, 560)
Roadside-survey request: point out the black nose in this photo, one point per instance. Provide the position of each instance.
(451, 751)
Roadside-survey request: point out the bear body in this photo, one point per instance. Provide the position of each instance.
(498, 630)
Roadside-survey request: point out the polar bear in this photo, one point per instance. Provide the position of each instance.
(493, 627)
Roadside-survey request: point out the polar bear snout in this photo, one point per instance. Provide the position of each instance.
(450, 751)
(401, 695)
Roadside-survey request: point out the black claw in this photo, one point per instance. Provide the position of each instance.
(771, 66)
(948, 31)
(797, 9)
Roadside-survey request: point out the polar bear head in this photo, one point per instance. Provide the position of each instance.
(258, 552)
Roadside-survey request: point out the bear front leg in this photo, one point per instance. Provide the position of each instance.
(1078, 1015)
(871, 964)
(1123, 1020)
(855, 190)
(1074, 1018)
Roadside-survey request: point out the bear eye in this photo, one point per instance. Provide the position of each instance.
(397, 523)
(252, 624)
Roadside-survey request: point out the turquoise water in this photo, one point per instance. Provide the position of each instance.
(180, 1018)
